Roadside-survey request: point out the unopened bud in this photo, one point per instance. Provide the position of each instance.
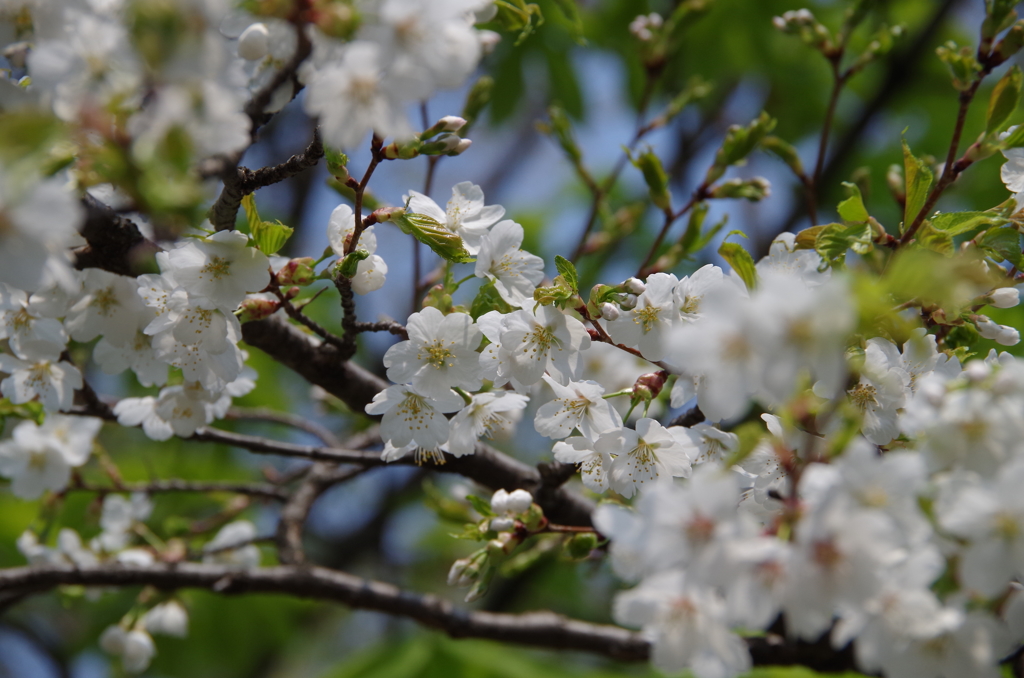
(609, 311)
(580, 545)
(648, 386)
(499, 502)
(449, 123)
(1004, 297)
(533, 519)
(1001, 334)
(753, 190)
(518, 501)
(257, 307)
(300, 271)
(502, 524)
(461, 147)
(628, 302)
(349, 266)
(634, 286)
(443, 144)
(254, 43)
(465, 571)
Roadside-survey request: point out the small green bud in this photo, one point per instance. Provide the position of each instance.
(962, 64)
(753, 190)
(738, 144)
(579, 546)
(337, 164)
(350, 264)
(1011, 43)
(655, 177)
(533, 519)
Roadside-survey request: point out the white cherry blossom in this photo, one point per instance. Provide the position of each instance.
(486, 414)
(579, 404)
(439, 354)
(514, 272)
(465, 214)
(643, 455)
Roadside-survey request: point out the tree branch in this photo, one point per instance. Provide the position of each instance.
(537, 629)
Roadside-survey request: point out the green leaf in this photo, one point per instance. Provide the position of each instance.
(741, 262)
(835, 239)
(487, 299)
(692, 234)
(1004, 243)
(572, 14)
(785, 151)
(1015, 139)
(517, 16)
(482, 506)
(654, 175)
(31, 410)
(711, 232)
(852, 209)
(1004, 99)
(568, 273)
(933, 239)
(270, 237)
(252, 215)
(958, 223)
(919, 179)
(430, 232)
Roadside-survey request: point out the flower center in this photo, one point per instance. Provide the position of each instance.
(863, 395)
(436, 354)
(105, 301)
(646, 316)
(700, 528)
(433, 456)
(19, 320)
(37, 460)
(1006, 526)
(217, 267)
(826, 554)
(541, 338)
(691, 304)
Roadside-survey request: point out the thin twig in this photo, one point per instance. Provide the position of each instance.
(265, 414)
(174, 485)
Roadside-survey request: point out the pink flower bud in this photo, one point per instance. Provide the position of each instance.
(257, 307)
(297, 272)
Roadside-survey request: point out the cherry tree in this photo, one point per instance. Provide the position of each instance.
(809, 454)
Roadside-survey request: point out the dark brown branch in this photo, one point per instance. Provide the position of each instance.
(538, 629)
(225, 209)
(115, 243)
(253, 180)
(294, 513)
(390, 326)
